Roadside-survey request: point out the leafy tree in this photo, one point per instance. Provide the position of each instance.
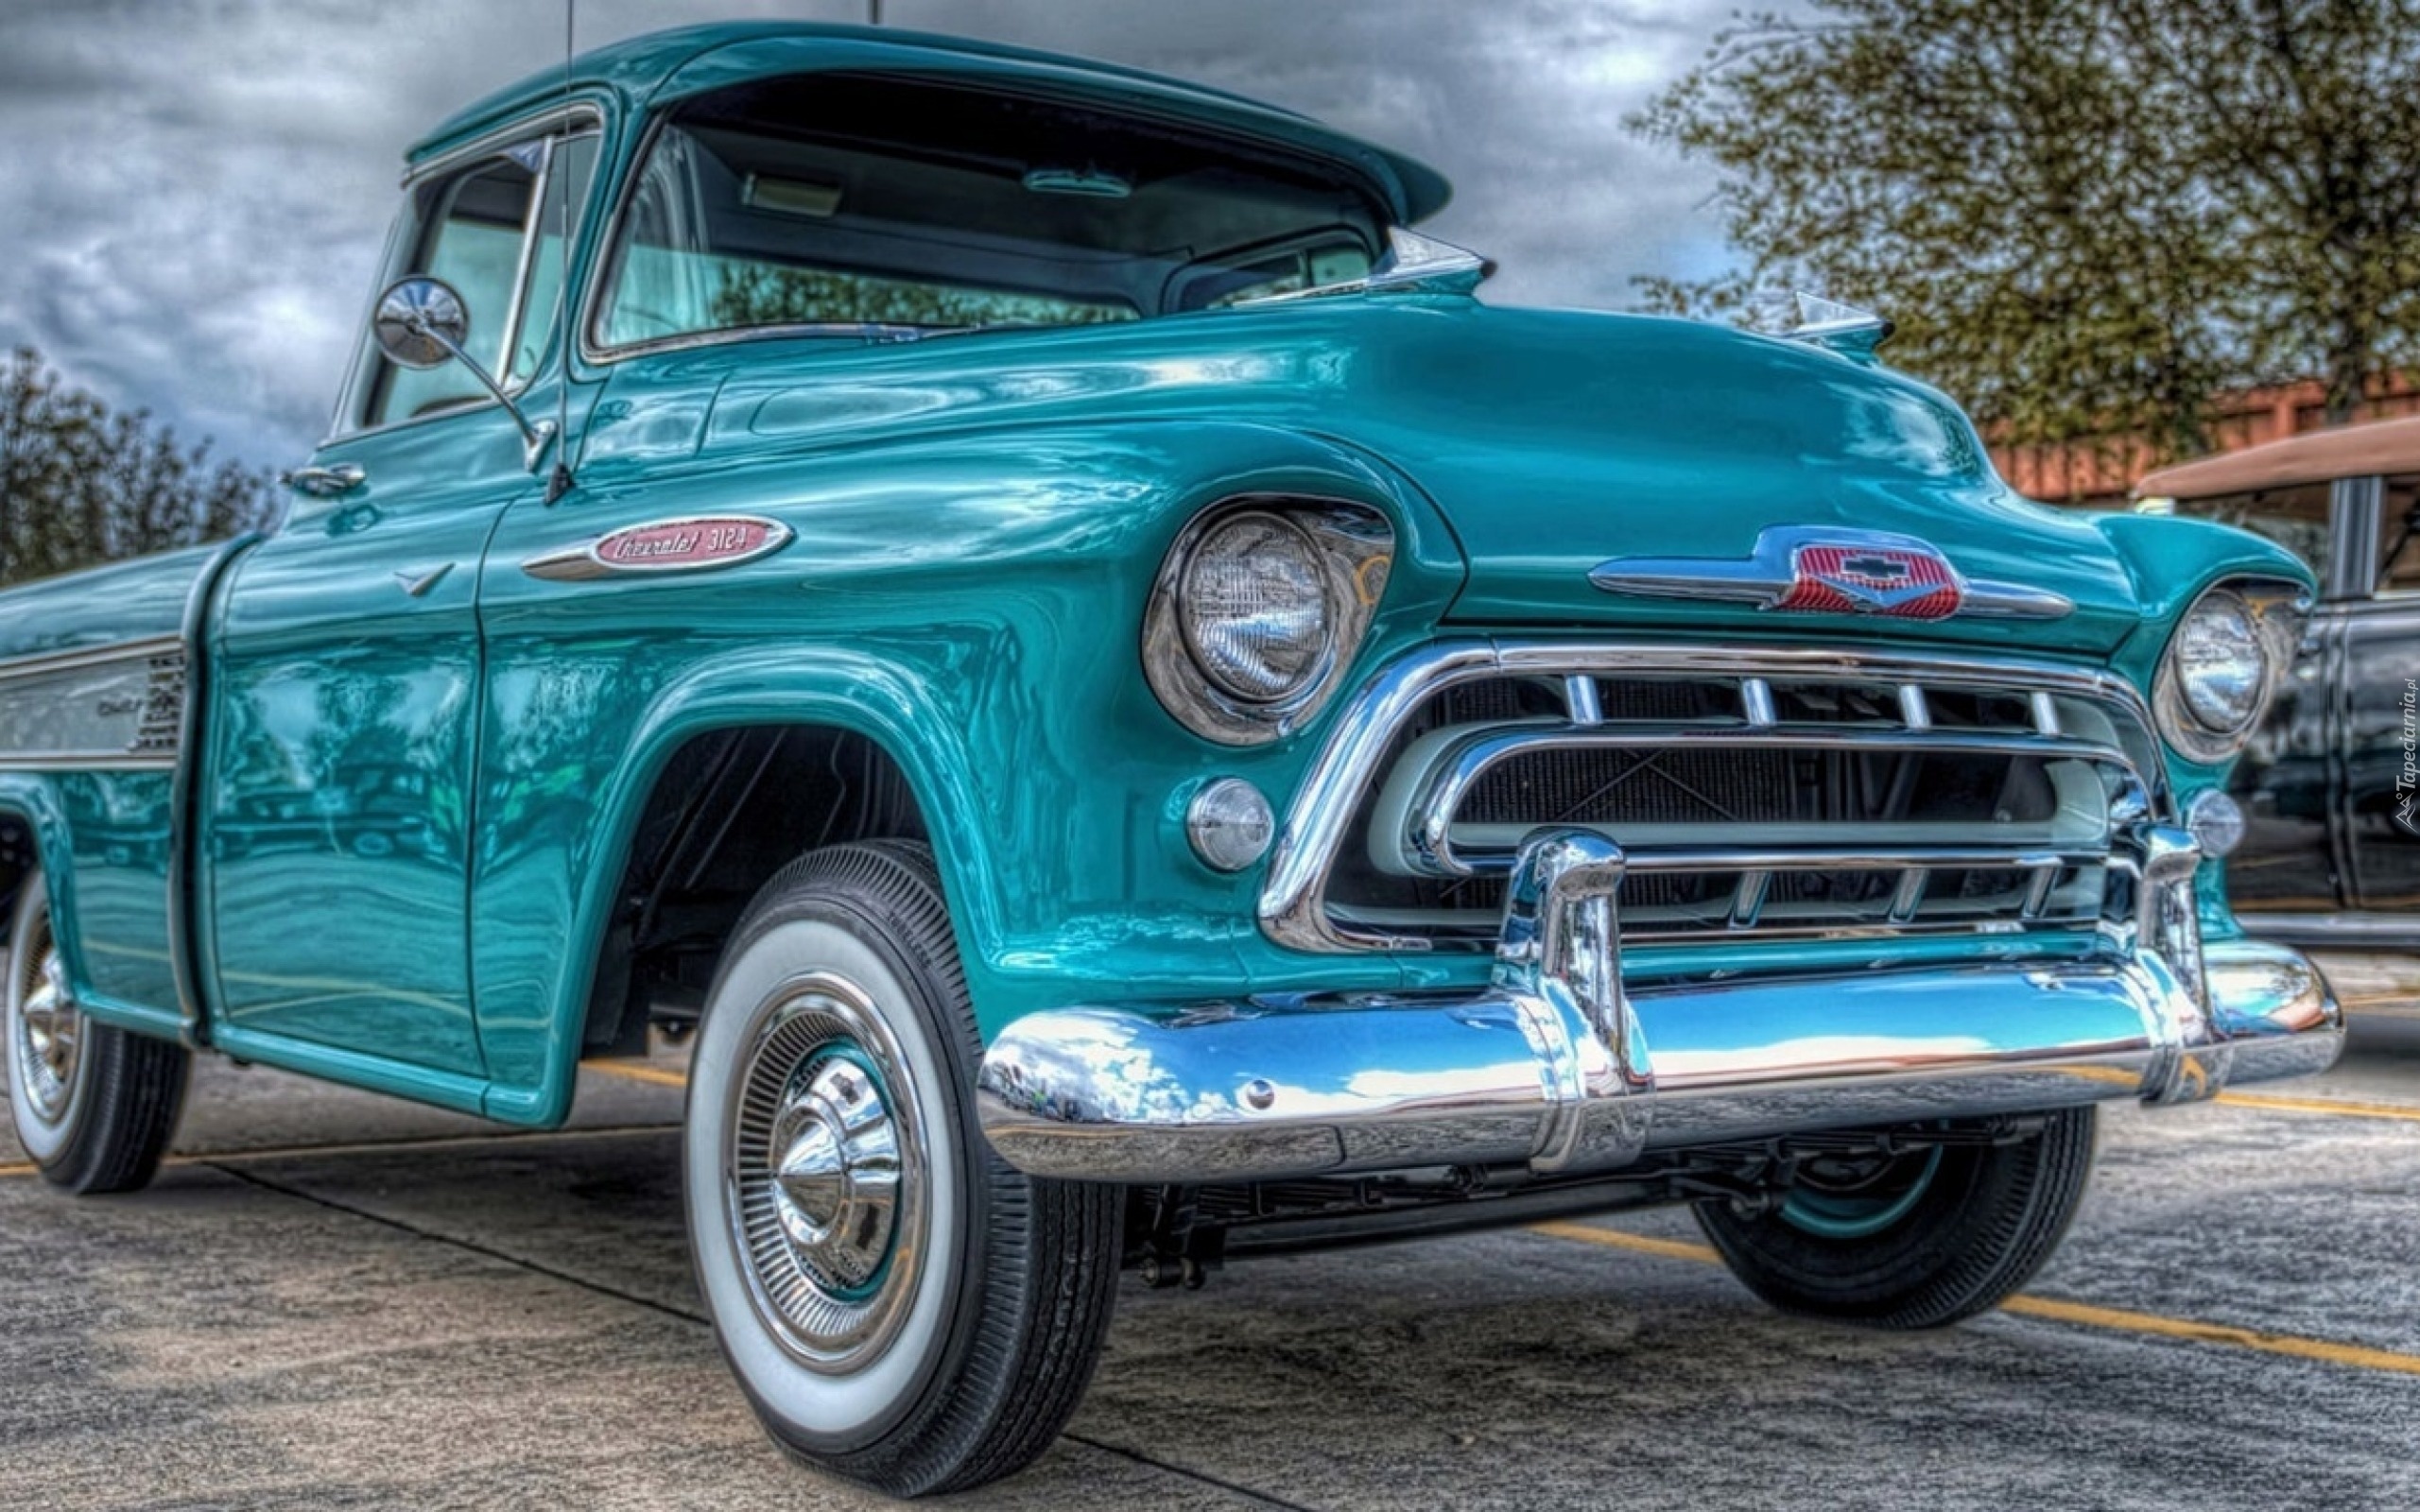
(2087, 216)
(81, 484)
(754, 294)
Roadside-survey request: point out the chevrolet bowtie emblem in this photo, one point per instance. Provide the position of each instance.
(1800, 570)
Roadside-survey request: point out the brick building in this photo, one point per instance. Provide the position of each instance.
(2099, 474)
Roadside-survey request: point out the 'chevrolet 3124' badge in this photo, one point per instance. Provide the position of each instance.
(666, 546)
(1798, 570)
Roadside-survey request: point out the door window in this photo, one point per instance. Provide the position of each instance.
(494, 230)
(2400, 537)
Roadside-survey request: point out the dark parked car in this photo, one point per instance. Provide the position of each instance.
(2330, 858)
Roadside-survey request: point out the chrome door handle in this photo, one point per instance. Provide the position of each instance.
(325, 482)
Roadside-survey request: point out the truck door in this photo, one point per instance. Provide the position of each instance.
(2289, 780)
(2380, 700)
(335, 799)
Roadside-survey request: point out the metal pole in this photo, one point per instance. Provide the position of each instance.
(873, 13)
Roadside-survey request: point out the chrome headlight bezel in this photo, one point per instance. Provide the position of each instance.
(2274, 613)
(1352, 547)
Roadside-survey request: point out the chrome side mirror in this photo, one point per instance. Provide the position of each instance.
(421, 322)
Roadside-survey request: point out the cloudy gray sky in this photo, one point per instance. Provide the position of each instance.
(194, 193)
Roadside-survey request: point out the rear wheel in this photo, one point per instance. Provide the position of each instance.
(94, 1107)
(1914, 1240)
(900, 1306)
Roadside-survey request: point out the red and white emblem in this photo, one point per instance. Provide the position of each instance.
(696, 544)
(1824, 570)
(1898, 582)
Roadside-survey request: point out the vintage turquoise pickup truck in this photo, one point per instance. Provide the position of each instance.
(1132, 721)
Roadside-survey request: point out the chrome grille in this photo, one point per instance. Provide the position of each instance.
(1756, 794)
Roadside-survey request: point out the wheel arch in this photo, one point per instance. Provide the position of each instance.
(34, 838)
(811, 705)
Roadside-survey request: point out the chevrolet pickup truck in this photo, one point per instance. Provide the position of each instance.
(1132, 722)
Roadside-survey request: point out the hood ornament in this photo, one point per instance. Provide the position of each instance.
(1802, 570)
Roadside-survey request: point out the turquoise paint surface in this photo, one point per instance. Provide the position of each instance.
(414, 812)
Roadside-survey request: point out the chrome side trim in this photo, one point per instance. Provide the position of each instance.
(1293, 907)
(1558, 1065)
(46, 661)
(2350, 931)
(111, 708)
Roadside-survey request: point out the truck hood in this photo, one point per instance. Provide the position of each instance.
(1665, 452)
(1552, 443)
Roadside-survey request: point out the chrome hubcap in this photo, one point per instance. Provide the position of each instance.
(835, 1180)
(824, 1174)
(50, 1035)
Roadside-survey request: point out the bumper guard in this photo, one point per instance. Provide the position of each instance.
(1556, 1065)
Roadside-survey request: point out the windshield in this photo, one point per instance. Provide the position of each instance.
(859, 206)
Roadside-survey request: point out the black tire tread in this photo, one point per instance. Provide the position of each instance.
(133, 1094)
(1047, 1253)
(138, 1094)
(1969, 1245)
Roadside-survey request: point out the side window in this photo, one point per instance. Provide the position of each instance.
(493, 229)
(568, 173)
(471, 227)
(1287, 272)
(2400, 537)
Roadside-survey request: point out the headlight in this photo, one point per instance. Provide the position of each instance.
(2215, 679)
(1255, 609)
(1258, 608)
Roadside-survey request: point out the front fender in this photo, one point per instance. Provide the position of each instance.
(993, 653)
(533, 1046)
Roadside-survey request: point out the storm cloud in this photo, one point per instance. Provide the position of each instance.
(194, 193)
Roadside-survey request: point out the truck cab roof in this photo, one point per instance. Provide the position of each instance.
(666, 66)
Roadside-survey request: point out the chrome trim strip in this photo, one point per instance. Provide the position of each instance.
(1292, 908)
(126, 677)
(532, 223)
(1557, 1065)
(87, 761)
(43, 662)
(2333, 930)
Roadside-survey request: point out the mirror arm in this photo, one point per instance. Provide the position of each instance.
(533, 437)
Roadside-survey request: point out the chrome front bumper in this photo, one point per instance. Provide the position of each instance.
(1557, 1066)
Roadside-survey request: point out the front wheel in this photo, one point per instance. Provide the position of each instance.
(901, 1306)
(94, 1107)
(1915, 1240)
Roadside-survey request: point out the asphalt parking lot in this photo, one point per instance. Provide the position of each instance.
(331, 1300)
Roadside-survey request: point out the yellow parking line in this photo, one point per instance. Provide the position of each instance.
(2320, 1105)
(2276, 1104)
(1615, 1239)
(2052, 1310)
(636, 1070)
(398, 1147)
(2123, 1320)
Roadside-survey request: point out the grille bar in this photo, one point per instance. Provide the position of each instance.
(1852, 728)
(1458, 771)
